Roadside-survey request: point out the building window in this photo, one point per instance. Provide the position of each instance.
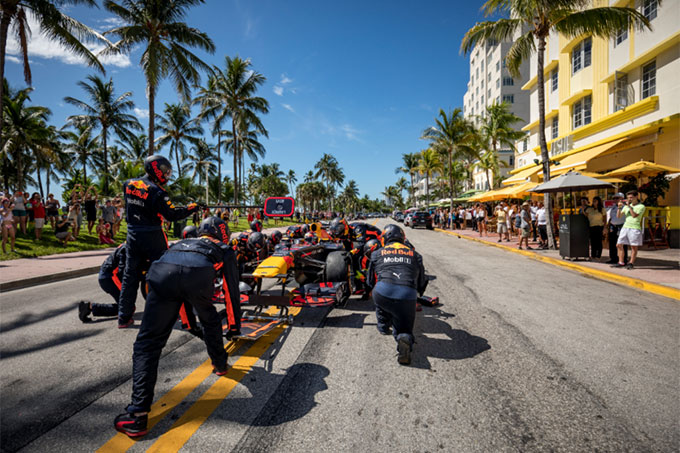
(649, 8)
(498, 65)
(488, 77)
(507, 81)
(580, 56)
(511, 162)
(553, 81)
(509, 98)
(482, 65)
(477, 72)
(488, 93)
(554, 128)
(503, 60)
(620, 91)
(582, 112)
(649, 80)
(498, 83)
(621, 36)
(525, 145)
(498, 99)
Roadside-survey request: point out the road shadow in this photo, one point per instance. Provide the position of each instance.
(31, 318)
(62, 339)
(436, 338)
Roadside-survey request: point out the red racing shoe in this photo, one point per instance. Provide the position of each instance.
(132, 425)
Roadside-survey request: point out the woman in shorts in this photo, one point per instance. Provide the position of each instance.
(52, 205)
(19, 211)
(7, 223)
(39, 212)
(90, 205)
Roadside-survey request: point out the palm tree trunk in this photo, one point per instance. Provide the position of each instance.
(179, 167)
(545, 158)
(451, 179)
(47, 179)
(40, 186)
(84, 168)
(4, 29)
(413, 190)
(495, 160)
(219, 165)
(106, 162)
(488, 179)
(427, 191)
(235, 150)
(152, 117)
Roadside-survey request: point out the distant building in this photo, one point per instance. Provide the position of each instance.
(490, 81)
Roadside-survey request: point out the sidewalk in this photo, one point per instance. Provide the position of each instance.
(25, 272)
(659, 267)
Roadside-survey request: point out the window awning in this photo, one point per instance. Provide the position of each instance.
(579, 161)
(522, 176)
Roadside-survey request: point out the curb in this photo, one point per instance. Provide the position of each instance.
(43, 279)
(636, 283)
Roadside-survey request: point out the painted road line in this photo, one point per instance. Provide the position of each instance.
(121, 442)
(185, 427)
(636, 283)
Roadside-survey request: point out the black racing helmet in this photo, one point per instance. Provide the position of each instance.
(256, 241)
(216, 228)
(189, 231)
(276, 237)
(393, 233)
(158, 168)
(371, 246)
(256, 226)
(338, 228)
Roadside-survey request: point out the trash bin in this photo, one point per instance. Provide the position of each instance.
(177, 228)
(574, 234)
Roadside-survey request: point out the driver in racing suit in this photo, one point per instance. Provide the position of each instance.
(186, 272)
(396, 275)
(145, 202)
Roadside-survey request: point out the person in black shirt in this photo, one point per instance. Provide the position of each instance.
(146, 202)
(186, 272)
(397, 275)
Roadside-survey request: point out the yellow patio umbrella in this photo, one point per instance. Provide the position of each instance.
(642, 168)
(604, 178)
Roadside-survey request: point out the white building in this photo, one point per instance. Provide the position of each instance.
(490, 81)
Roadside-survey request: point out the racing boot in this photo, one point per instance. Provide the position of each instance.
(132, 425)
(404, 346)
(220, 371)
(84, 311)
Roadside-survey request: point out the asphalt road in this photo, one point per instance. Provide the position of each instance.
(521, 356)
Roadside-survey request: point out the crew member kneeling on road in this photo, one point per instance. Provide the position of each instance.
(396, 274)
(186, 272)
(145, 201)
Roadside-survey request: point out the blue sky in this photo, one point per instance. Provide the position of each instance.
(357, 79)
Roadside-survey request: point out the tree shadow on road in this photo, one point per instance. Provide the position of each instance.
(436, 338)
(26, 319)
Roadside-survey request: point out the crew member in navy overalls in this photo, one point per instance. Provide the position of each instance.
(145, 202)
(186, 272)
(396, 274)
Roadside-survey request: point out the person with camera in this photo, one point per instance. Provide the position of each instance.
(186, 272)
(631, 232)
(61, 231)
(146, 203)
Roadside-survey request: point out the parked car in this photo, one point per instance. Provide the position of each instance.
(421, 219)
(399, 217)
(407, 219)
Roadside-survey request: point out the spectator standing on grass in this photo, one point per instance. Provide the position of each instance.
(77, 199)
(120, 207)
(73, 212)
(596, 217)
(615, 222)
(38, 214)
(7, 224)
(19, 212)
(52, 206)
(631, 233)
(109, 213)
(542, 223)
(104, 232)
(90, 205)
(501, 223)
(525, 225)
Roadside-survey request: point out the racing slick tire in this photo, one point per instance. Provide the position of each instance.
(337, 267)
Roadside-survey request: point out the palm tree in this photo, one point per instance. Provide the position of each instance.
(309, 176)
(178, 128)
(247, 142)
(351, 194)
(25, 131)
(155, 26)
(202, 155)
(402, 184)
(83, 144)
(133, 148)
(410, 167)
(446, 136)
(291, 179)
(230, 92)
(496, 128)
(60, 27)
(391, 194)
(571, 18)
(429, 163)
(329, 168)
(106, 111)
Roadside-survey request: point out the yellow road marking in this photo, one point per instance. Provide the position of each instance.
(636, 283)
(121, 442)
(185, 427)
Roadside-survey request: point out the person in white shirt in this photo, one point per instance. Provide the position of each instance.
(614, 225)
(532, 210)
(541, 223)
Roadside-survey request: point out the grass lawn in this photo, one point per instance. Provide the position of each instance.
(28, 247)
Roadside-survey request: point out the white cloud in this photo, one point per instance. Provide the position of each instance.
(141, 113)
(350, 132)
(278, 90)
(285, 80)
(288, 107)
(13, 59)
(42, 47)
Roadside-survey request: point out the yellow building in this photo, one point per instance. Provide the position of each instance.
(609, 102)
